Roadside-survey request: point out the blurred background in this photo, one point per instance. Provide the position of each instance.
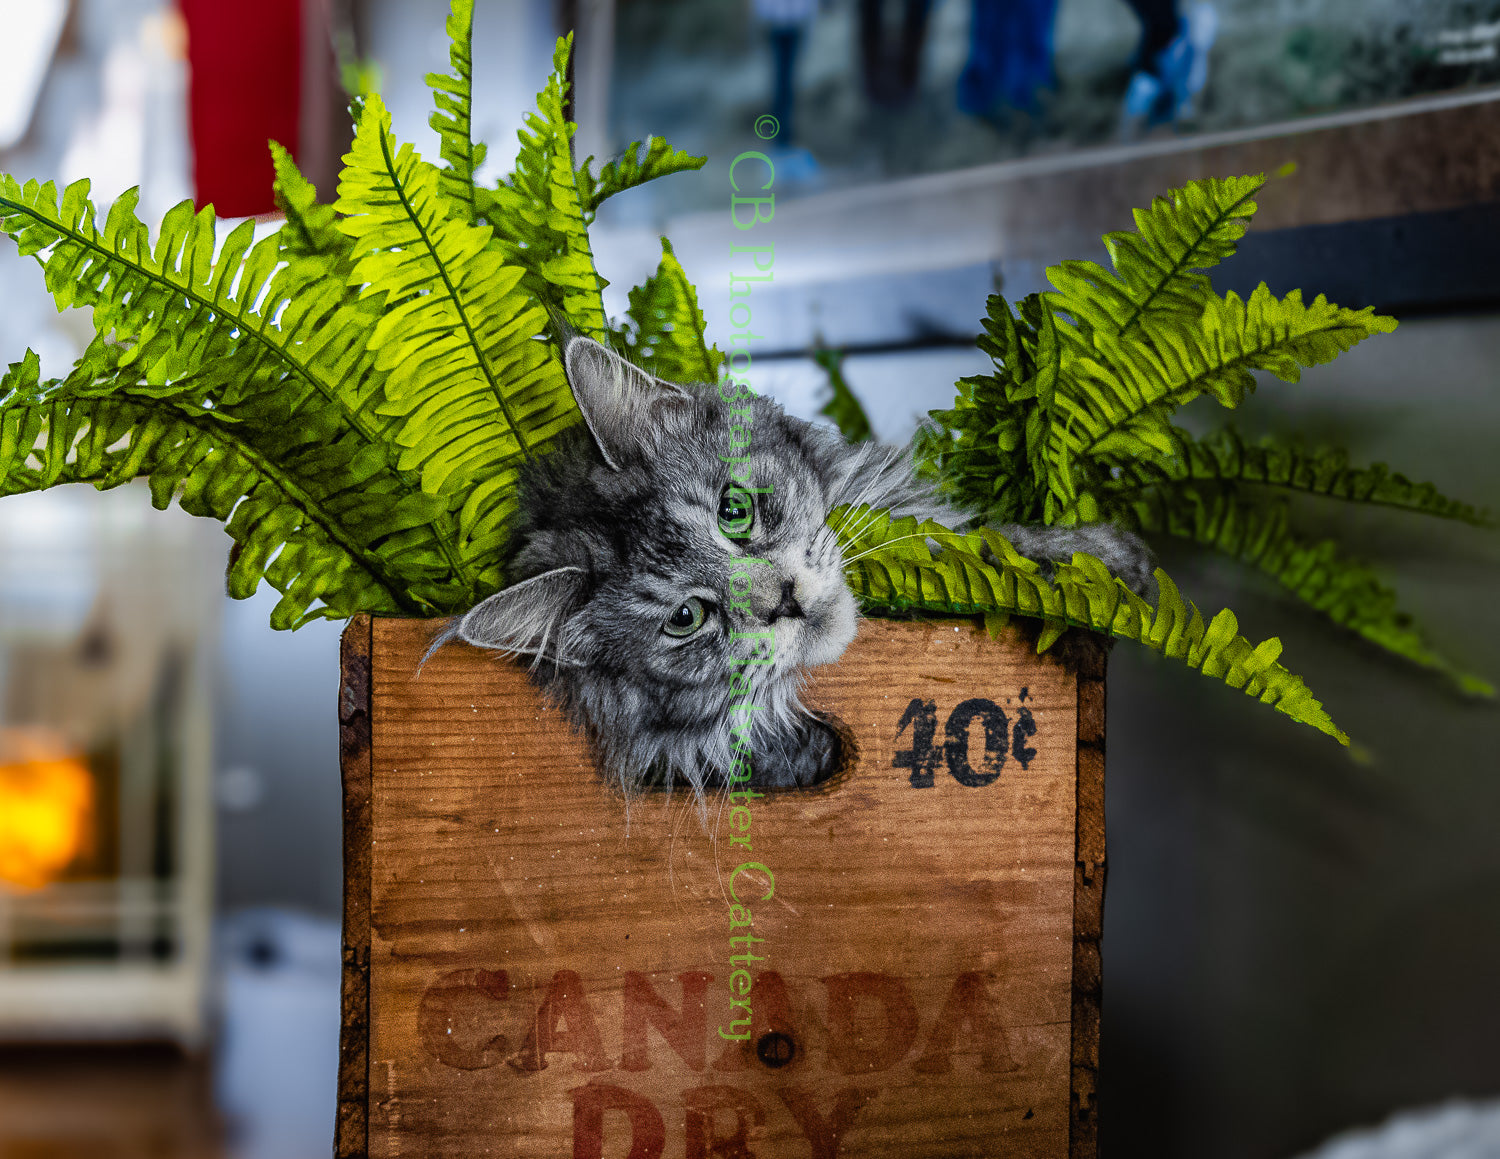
(1298, 943)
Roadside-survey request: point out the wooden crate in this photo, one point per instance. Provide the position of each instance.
(526, 974)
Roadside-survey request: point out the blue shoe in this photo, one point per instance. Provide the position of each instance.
(1183, 64)
(1164, 93)
(1143, 99)
(797, 166)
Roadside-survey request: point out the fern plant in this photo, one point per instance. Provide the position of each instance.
(354, 394)
(1074, 422)
(901, 565)
(841, 406)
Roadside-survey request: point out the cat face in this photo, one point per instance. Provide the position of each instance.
(678, 566)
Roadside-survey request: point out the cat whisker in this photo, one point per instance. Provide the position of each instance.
(880, 489)
(868, 520)
(872, 550)
(871, 499)
(843, 483)
(875, 478)
(855, 515)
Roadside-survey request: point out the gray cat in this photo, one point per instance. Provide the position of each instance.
(675, 565)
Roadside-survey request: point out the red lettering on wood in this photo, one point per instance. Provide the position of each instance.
(565, 1002)
(967, 1005)
(860, 1041)
(648, 1134)
(825, 1135)
(702, 1103)
(456, 1006)
(685, 1030)
(770, 1009)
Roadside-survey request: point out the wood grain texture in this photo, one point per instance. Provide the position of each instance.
(1088, 905)
(548, 977)
(351, 1124)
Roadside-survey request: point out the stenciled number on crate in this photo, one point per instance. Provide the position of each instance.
(1000, 738)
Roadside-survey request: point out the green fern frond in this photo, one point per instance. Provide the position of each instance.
(351, 395)
(1158, 267)
(22, 380)
(166, 312)
(1319, 574)
(1074, 422)
(1117, 394)
(898, 565)
(172, 312)
(452, 119)
(537, 215)
(247, 335)
(641, 161)
(318, 519)
(312, 245)
(664, 327)
(842, 405)
(472, 391)
(1227, 458)
(152, 303)
(988, 452)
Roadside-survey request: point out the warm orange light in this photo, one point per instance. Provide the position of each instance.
(46, 806)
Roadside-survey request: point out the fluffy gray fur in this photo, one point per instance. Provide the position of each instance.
(619, 527)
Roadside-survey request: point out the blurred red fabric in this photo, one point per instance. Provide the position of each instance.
(246, 88)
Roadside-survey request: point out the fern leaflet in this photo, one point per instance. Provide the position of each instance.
(641, 161)
(897, 565)
(664, 327)
(453, 118)
(472, 391)
(841, 405)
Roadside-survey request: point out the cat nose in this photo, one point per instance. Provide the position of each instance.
(788, 606)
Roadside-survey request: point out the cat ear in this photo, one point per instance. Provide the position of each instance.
(526, 618)
(619, 401)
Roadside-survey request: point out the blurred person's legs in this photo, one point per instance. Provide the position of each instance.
(892, 69)
(1010, 55)
(786, 22)
(785, 40)
(1158, 26)
(1171, 63)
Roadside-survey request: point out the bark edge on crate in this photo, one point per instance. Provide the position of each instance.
(351, 1127)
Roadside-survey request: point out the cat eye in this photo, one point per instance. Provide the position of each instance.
(687, 619)
(736, 512)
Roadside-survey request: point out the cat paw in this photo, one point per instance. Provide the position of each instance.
(801, 762)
